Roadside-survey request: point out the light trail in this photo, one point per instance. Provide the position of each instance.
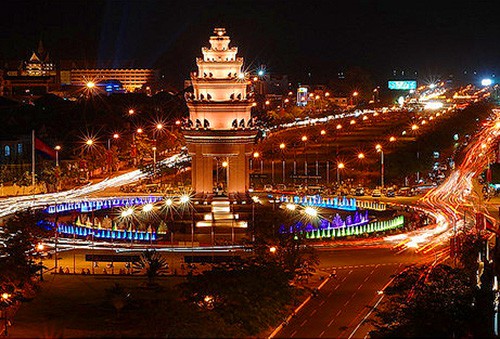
(447, 202)
(12, 205)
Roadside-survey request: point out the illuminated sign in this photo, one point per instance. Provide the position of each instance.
(402, 85)
(302, 96)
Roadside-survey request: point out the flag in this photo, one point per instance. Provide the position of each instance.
(44, 148)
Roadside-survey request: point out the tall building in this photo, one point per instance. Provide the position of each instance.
(220, 133)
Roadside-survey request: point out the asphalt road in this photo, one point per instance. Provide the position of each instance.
(345, 303)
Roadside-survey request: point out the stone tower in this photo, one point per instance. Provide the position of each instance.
(220, 133)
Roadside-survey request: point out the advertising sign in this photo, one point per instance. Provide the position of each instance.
(402, 85)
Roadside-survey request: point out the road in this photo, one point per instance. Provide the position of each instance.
(343, 302)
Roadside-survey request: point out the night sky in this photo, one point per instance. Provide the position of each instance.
(434, 38)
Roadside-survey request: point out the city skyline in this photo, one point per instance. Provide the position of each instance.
(310, 43)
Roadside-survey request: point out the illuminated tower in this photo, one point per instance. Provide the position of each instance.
(220, 132)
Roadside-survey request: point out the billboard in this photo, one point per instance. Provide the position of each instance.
(402, 85)
(302, 96)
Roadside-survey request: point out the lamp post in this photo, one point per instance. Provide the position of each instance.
(282, 148)
(57, 149)
(339, 167)
(6, 300)
(378, 147)
(40, 248)
(304, 140)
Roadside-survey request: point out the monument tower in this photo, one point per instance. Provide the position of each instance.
(220, 133)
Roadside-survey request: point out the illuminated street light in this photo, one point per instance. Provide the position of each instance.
(311, 211)
(57, 149)
(414, 127)
(169, 202)
(352, 122)
(159, 126)
(89, 142)
(323, 132)
(327, 94)
(184, 198)
(304, 138)
(140, 130)
(131, 111)
(340, 166)
(267, 102)
(282, 145)
(224, 164)
(339, 126)
(147, 208)
(90, 84)
(365, 117)
(392, 139)
(116, 136)
(291, 207)
(272, 249)
(361, 156)
(256, 154)
(378, 147)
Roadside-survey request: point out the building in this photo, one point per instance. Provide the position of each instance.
(33, 77)
(130, 79)
(220, 133)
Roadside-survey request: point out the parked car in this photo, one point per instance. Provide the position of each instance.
(268, 188)
(376, 193)
(390, 193)
(360, 191)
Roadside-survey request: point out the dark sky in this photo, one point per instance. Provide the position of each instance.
(434, 38)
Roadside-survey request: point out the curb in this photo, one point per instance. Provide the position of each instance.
(280, 326)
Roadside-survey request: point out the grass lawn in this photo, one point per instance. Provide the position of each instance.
(72, 306)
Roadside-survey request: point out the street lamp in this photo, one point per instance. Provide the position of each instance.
(40, 248)
(282, 148)
(57, 149)
(378, 147)
(361, 156)
(6, 300)
(304, 140)
(340, 166)
(131, 111)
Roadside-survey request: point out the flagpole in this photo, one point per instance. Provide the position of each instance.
(33, 157)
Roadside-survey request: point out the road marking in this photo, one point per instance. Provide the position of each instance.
(352, 296)
(321, 334)
(338, 313)
(313, 312)
(322, 303)
(344, 279)
(303, 322)
(331, 321)
(336, 287)
(347, 302)
(366, 278)
(330, 294)
(360, 286)
(294, 332)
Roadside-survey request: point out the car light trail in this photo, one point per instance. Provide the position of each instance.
(446, 202)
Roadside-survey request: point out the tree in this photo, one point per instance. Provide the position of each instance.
(152, 264)
(426, 301)
(236, 293)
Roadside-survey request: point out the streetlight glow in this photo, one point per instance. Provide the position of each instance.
(256, 154)
(341, 165)
(361, 156)
(272, 249)
(392, 139)
(40, 247)
(224, 164)
(282, 145)
(168, 202)
(147, 208)
(89, 142)
(311, 211)
(116, 136)
(159, 126)
(57, 148)
(90, 85)
(304, 138)
(291, 207)
(184, 198)
(323, 132)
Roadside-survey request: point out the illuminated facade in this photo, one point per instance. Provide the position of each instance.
(131, 79)
(220, 132)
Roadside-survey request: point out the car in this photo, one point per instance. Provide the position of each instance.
(376, 193)
(360, 191)
(268, 188)
(390, 193)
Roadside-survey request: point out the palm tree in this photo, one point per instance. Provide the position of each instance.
(152, 264)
